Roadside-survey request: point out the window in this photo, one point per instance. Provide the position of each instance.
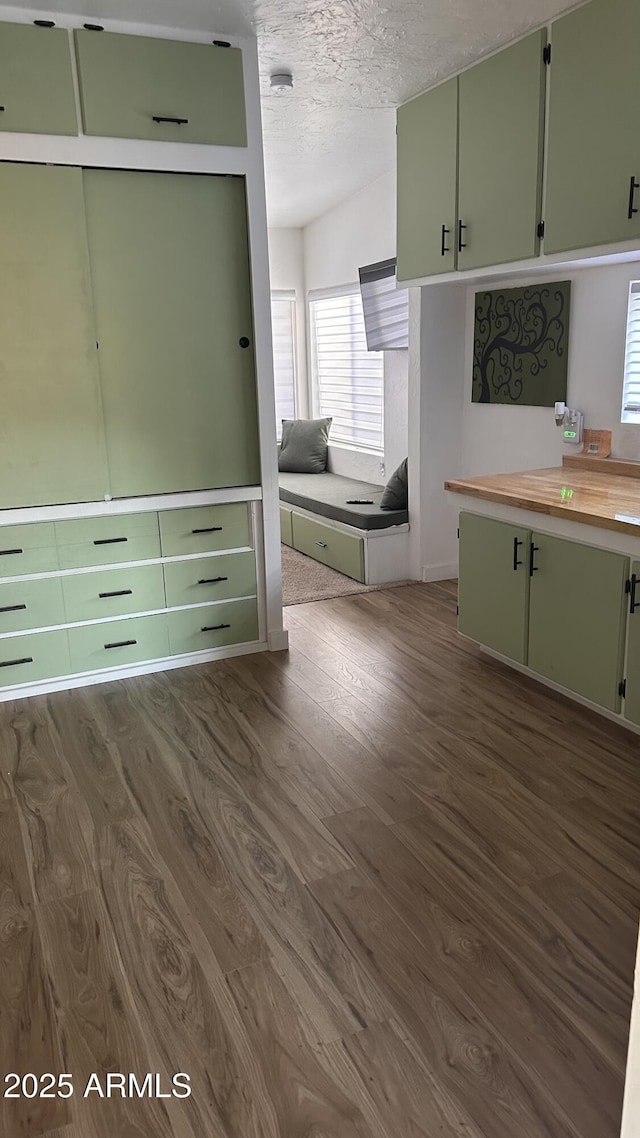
(348, 380)
(284, 356)
(631, 388)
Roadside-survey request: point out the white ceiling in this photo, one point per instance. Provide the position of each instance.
(353, 62)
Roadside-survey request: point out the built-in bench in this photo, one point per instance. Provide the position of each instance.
(339, 522)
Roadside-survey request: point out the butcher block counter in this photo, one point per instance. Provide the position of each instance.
(604, 493)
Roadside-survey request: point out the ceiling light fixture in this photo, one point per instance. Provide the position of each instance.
(281, 82)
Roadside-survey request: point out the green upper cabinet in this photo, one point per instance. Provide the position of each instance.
(427, 176)
(493, 600)
(500, 155)
(577, 611)
(36, 81)
(136, 87)
(594, 141)
(170, 267)
(51, 430)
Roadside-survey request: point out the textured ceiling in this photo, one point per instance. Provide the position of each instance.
(353, 62)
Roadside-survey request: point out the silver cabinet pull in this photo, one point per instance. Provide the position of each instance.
(322, 544)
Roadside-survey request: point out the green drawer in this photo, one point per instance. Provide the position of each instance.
(107, 541)
(41, 656)
(118, 643)
(28, 549)
(204, 529)
(192, 630)
(210, 578)
(31, 604)
(286, 526)
(114, 592)
(127, 82)
(36, 81)
(341, 551)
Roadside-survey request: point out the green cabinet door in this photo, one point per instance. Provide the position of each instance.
(51, 430)
(128, 83)
(632, 670)
(493, 600)
(427, 174)
(500, 155)
(36, 81)
(594, 142)
(170, 268)
(577, 610)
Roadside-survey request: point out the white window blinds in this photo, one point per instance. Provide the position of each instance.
(386, 307)
(348, 379)
(631, 388)
(284, 357)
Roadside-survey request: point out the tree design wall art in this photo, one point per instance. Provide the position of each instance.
(521, 341)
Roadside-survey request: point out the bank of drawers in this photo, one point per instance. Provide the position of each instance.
(199, 574)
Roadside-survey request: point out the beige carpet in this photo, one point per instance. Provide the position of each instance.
(304, 579)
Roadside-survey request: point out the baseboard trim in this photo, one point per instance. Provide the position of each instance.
(447, 572)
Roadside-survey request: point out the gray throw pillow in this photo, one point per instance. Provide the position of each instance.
(304, 446)
(396, 492)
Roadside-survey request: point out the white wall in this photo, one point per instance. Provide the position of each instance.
(286, 266)
(498, 439)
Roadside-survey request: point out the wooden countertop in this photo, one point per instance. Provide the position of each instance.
(572, 491)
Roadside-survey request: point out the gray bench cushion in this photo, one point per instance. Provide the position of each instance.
(327, 494)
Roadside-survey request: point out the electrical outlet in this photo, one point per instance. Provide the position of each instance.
(382, 469)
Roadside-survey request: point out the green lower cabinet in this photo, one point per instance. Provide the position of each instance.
(216, 578)
(286, 526)
(494, 585)
(577, 609)
(114, 592)
(31, 604)
(26, 659)
(204, 529)
(118, 643)
(196, 629)
(107, 541)
(632, 670)
(29, 548)
(340, 551)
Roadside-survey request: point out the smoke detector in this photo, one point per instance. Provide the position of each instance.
(281, 82)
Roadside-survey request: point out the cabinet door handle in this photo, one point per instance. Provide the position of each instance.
(210, 529)
(1, 109)
(516, 546)
(630, 588)
(13, 608)
(116, 593)
(13, 663)
(165, 118)
(322, 544)
(109, 540)
(212, 580)
(214, 627)
(532, 553)
(444, 248)
(121, 644)
(633, 186)
(10, 552)
(461, 244)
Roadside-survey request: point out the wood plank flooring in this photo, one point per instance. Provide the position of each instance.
(378, 887)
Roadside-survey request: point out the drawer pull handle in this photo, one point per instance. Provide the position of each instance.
(633, 186)
(13, 608)
(444, 248)
(322, 544)
(10, 552)
(210, 529)
(121, 644)
(212, 580)
(461, 244)
(110, 540)
(516, 560)
(533, 568)
(116, 593)
(176, 122)
(1, 108)
(630, 588)
(13, 663)
(214, 627)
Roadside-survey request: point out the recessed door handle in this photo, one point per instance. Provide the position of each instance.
(14, 663)
(212, 580)
(116, 593)
(121, 644)
(633, 186)
(13, 608)
(214, 627)
(165, 118)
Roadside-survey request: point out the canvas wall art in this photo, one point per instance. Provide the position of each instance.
(521, 345)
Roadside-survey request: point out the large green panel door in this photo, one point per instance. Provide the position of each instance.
(500, 171)
(576, 617)
(36, 80)
(594, 141)
(632, 671)
(493, 599)
(51, 431)
(170, 267)
(427, 180)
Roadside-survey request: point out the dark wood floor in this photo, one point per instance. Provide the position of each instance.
(380, 887)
